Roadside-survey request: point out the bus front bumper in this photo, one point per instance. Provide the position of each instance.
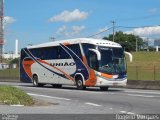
(113, 82)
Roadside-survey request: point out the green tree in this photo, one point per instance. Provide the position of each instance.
(128, 41)
(14, 61)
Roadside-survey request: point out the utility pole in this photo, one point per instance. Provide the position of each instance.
(52, 39)
(147, 44)
(136, 45)
(1, 30)
(113, 22)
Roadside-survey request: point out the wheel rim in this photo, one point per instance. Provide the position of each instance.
(35, 81)
(79, 83)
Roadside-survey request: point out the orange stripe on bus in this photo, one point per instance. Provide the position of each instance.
(92, 78)
(27, 67)
(66, 43)
(68, 76)
(106, 75)
(84, 60)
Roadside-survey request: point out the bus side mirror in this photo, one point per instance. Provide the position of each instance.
(93, 58)
(98, 54)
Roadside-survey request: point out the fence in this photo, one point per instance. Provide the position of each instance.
(134, 73)
(143, 73)
(9, 73)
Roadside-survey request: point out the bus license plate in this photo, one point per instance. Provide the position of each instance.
(115, 84)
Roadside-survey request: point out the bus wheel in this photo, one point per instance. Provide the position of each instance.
(35, 82)
(79, 84)
(104, 88)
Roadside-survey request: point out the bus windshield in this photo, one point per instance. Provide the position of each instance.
(112, 61)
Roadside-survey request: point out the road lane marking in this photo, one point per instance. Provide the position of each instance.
(59, 98)
(17, 105)
(136, 95)
(93, 104)
(146, 92)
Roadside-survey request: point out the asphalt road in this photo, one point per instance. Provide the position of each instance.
(69, 100)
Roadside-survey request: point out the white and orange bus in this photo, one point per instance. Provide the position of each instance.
(83, 62)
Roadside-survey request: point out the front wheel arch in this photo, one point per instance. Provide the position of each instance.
(79, 82)
(35, 81)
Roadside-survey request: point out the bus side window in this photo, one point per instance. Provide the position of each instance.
(23, 55)
(76, 49)
(92, 60)
(62, 54)
(86, 48)
(52, 53)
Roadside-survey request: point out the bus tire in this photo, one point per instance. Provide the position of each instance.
(35, 82)
(79, 84)
(104, 88)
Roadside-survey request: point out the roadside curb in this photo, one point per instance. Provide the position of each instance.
(133, 84)
(143, 84)
(9, 80)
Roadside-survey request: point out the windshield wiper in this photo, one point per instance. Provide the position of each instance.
(116, 67)
(119, 69)
(104, 66)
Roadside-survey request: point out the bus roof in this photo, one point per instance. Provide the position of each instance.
(99, 42)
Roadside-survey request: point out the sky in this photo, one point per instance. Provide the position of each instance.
(39, 21)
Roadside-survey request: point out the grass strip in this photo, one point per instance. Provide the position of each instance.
(13, 96)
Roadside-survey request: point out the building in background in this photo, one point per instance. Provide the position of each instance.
(157, 42)
(12, 55)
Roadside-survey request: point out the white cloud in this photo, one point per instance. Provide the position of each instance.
(68, 32)
(8, 20)
(77, 29)
(62, 30)
(146, 31)
(153, 10)
(68, 16)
